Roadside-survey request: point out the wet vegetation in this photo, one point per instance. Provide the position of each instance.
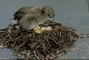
(32, 45)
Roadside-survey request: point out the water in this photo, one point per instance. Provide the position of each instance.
(73, 13)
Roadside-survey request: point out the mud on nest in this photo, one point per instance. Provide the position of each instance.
(46, 45)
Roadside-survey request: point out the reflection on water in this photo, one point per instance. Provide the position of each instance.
(87, 4)
(6, 54)
(71, 13)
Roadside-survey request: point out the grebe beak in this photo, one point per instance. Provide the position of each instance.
(15, 21)
(52, 19)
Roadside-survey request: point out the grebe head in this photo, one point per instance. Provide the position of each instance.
(49, 11)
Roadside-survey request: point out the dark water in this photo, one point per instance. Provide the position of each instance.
(73, 13)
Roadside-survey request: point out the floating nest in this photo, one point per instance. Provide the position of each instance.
(47, 44)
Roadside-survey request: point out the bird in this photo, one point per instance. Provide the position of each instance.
(29, 17)
(30, 21)
(23, 11)
(32, 9)
(49, 11)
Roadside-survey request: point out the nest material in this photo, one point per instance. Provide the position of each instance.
(47, 45)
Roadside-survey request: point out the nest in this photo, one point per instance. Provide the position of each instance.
(46, 45)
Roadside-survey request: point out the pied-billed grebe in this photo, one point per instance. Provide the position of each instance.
(31, 9)
(29, 21)
(29, 17)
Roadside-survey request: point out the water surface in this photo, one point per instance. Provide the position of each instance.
(73, 13)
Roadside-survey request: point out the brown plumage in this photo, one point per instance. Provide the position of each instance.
(29, 21)
(25, 10)
(49, 11)
(29, 17)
